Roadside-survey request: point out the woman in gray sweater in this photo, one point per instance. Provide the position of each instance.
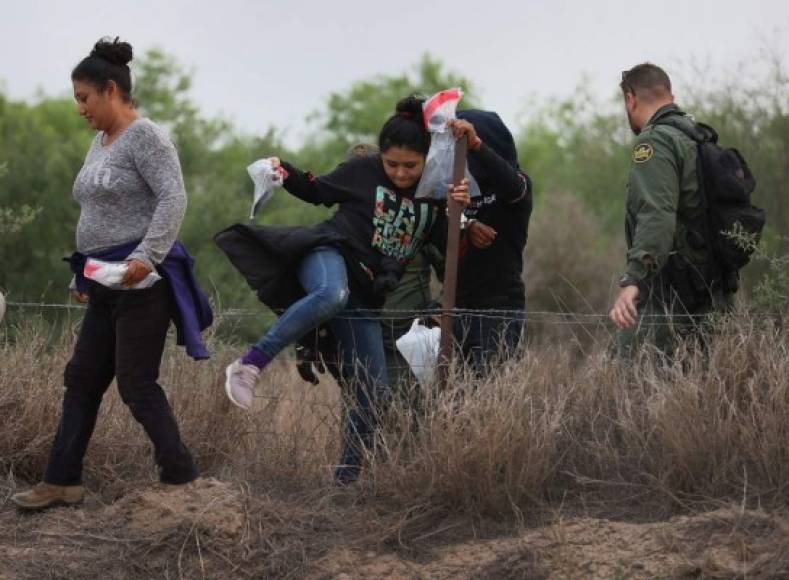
(132, 202)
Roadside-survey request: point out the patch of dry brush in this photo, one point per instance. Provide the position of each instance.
(552, 425)
(552, 429)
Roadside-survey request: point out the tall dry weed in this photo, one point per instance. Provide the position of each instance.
(707, 425)
(546, 426)
(289, 437)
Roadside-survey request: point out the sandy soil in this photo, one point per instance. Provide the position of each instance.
(202, 531)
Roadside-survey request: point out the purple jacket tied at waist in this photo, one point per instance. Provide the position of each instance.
(192, 314)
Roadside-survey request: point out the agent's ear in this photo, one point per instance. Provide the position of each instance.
(631, 101)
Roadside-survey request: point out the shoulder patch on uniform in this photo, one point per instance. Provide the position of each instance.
(642, 152)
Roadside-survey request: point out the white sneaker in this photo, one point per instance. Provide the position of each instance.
(240, 383)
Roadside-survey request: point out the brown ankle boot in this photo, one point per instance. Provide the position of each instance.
(44, 495)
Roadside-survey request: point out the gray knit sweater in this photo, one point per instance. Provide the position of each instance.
(131, 190)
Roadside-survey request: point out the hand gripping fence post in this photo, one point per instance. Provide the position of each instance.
(451, 265)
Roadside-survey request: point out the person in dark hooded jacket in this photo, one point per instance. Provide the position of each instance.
(490, 270)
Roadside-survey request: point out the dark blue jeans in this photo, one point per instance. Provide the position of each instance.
(122, 336)
(363, 369)
(362, 363)
(486, 339)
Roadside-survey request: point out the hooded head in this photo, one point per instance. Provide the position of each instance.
(494, 133)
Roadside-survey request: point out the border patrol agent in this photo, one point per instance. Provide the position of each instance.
(669, 284)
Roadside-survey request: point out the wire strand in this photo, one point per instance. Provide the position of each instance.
(391, 314)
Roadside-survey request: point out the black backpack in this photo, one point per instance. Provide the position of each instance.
(733, 224)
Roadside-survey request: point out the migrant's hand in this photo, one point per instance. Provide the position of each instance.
(624, 311)
(461, 128)
(136, 273)
(78, 296)
(307, 363)
(282, 173)
(384, 283)
(480, 235)
(81, 297)
(459, 193)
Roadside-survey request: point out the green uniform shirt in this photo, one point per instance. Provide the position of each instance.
(413, 290)
(662, 198)
(411, 294)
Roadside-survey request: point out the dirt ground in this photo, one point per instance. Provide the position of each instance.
(213, 529)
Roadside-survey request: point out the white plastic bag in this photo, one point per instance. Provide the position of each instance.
(110, 274)
(419, 347)
(265, 176)
(438, 110)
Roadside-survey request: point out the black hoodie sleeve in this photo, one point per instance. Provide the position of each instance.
(501, 177)
(334, 187)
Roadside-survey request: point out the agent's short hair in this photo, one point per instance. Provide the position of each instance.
(646, 80)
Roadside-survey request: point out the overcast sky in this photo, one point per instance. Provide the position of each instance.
(262, 63)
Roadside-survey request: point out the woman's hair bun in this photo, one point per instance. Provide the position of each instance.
(113, 51)
(406, 128)
(410, 107)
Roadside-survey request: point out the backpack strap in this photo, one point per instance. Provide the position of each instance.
(700, 133)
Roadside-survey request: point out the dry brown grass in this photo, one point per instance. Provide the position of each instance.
(552, 425)
(550, 432)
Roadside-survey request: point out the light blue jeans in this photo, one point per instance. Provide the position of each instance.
(324, 278)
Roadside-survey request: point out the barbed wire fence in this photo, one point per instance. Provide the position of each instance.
(399, 320)
(558, 317)
(317, 413)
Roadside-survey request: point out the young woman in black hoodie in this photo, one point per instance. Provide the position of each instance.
(339, 271)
